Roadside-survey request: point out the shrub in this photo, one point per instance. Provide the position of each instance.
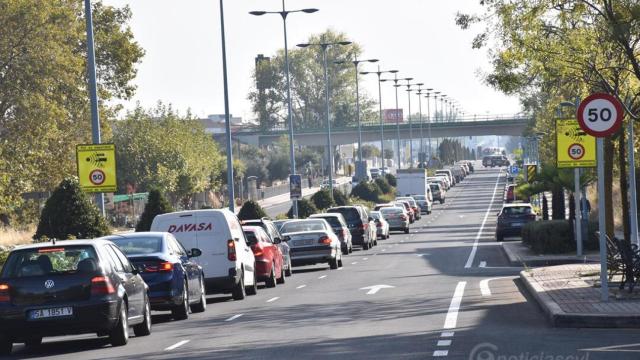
(340, 198)
(391, 179)
(322, 199)
(549, 237)
(367, 191)
(251, 210)
(384, 186)
(157, 204)
(3, 256)
(357, 201)
(68, 213)
(305, 209)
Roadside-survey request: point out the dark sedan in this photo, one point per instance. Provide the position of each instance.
(176, 283)
(71, 287)
(512, 218)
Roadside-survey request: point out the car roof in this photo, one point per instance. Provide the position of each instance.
(516, 205)
(81, 242)
(322, 215)
(252, 228)
(133, 235)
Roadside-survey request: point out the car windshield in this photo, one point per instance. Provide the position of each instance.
(434, 187)
(305, 225)
(50, 260)
(139, 245)
(517, 210)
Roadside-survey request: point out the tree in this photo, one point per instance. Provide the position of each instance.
(251, 210)
(370, 151)
(322, 199)
(68, 213)
(388, 153)
(44, 107)
(305, 209)
(340, 198)
(156, 204)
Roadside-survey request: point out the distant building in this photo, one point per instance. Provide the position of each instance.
(214, 124)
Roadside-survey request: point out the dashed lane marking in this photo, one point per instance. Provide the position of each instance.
(322, 277)
(447, 334)
(176, 345)
(451, 320)
(273, 299)
(443, 343)
(301, 286)
(483, 264)
(440, 353)
(234, 317)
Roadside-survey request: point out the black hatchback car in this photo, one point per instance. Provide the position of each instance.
(71, 287)
(512, 218)
(176, 282)
(358, 222)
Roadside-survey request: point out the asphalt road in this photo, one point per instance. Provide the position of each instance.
(447, 293)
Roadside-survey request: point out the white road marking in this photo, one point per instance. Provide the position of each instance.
(440, 353)
(452, 315)
(375, 288)
(384, 250)
(447, 334)
(273, 299)
(176, 345)
(340, 268)
(483, 264)
(234, 317)
(354, 263)
(444, 342)
(472, 255)
(301, 286)
(322, 277)
(425, 254)
(484, 285)
(365, 259)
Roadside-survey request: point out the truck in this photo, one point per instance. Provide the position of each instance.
(412, 182)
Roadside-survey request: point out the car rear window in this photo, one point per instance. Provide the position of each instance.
(139, 245)
(350, 214)
(517, 210)
(332, 220)
(57, 260)
(251, 237)
(391, 210)
(298, 226)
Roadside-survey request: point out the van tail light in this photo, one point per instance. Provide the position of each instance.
(325, 240)
(101, 285)
(231, 250)
(364, 226)
(159, 267)
(5, 297)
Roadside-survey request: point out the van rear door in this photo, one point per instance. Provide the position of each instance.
(212, 240)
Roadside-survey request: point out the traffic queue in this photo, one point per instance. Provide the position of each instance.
(109, 285)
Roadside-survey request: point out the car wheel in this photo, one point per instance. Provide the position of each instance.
(6, 345)
(351, 249)
(289, 270)
(406, 231)
(253, 289)
(281, 279)
(239, 290)
(441, 201)
(365, 246)
(181, 312)
(499, 237)
(201, 306)
(340, 261)
(333, 263)
(345, 249)
(144, 329)
(119, 336)
(271, 281)
(33, 342)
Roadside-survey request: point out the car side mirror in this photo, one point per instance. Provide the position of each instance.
(195, 252)
(498, 214)
(135, 271)
(286, 238)
(277, 241)
(370, 219)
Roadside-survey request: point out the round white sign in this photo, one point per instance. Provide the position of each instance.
(600, 115)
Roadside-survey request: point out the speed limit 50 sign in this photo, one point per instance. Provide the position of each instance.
(575, 148)
(600, 115)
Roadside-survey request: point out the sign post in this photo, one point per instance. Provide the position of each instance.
(601, 115)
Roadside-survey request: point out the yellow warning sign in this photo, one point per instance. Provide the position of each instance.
(97, 167)
(575, 148)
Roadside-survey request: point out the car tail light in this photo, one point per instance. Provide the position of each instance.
(325, 240)
(231, 250)
(257, 251)
(379, 224)
(5, 297)
(101, 285)
(159, 267)
(403, 217)
(364, 226)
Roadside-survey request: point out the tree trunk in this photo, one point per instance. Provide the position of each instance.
(557, 203)
(608, 186)
(624, 190)
(545, 207)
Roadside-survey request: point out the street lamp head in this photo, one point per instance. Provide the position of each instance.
(419, 84)
(408, 79)
(367, 73)
(429, 89)
(394, 71)
(344, 43)
(372, 60)
(567, 103)
(309, 11)
(303, 45)
(257, 13)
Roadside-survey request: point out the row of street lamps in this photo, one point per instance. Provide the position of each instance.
(428, 93)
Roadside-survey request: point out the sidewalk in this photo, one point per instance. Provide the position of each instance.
(570, 297)
(519, 254)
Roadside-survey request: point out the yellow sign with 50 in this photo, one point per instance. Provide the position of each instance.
(97, 167)
(575, 148)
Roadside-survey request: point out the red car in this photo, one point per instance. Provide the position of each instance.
(269, 259)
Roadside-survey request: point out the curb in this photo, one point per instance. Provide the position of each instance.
(559, 318)
(531, 261)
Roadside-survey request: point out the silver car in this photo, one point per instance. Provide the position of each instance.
(382, 226)
(312, 241)
(397, 218)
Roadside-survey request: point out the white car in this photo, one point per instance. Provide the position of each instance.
(227, 260)
(382, 226)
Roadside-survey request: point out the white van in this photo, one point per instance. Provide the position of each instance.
(227, 261)
(449, 174)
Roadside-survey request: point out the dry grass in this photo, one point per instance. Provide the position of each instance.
(9, 236)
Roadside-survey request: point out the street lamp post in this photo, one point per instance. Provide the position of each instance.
(429, 119)
(324, 46)
(380, 80)
(396, 85)
(421, 152)
(409, 90)
(284, 14)
(357, 62)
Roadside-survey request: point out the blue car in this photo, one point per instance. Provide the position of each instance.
(176, 282)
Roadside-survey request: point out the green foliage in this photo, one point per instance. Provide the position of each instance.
(305, 209)
(388, 153)
(384, 186)
(549, 237)
(156, 204)
(3, 256)
(370, 151)
(367, 191)
(68, 213)
(282, 217)
(358, 201)
(44, 107)
(452, 150)
(322, 199)
(391, 179)
(340, 198)
(251, 210)
(161, 149)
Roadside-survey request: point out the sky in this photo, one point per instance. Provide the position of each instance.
(183, 62)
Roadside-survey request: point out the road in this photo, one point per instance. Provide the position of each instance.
(448, 294)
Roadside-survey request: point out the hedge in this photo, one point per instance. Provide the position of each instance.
(549, 237)
(305, 209)
(322, 199)
(251, 210)
(367, 191)
(340, 198)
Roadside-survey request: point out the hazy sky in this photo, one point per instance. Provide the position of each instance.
(183, 63)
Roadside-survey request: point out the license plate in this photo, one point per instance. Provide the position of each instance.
(50, 313)
(517, 224)
(304, 242)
